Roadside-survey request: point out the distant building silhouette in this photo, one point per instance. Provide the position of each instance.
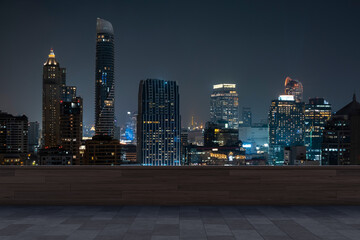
(13, 139)
(158, 124)
(104, 79)
(341, 136)
(286, 127)
(224, 105)
(33, 136)
(246, 117)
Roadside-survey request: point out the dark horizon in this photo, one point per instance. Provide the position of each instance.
(255, 44)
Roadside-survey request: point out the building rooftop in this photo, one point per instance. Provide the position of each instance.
(351, 109)
(103, 26)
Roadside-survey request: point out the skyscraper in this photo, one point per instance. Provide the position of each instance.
(286, 127)
(104, 78)
(54, 79)
(224, 104)
(71, 119)
(158, 124)
(294, 87)
(317, 113)
(62, 110)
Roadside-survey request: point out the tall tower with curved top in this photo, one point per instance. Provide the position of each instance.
(104, 79)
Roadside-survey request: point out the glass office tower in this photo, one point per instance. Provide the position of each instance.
(104, 79)
(224, 104)
(158, 124)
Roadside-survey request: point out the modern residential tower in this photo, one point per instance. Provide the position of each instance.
(104, 79)
(158, 124)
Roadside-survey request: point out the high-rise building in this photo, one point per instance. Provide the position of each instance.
(294, 87)
(104, 78)
(317, 113)
(224, 104)
(341, 137)
(286, 127)
(34, 135)
(71, 127)
(246, 117)
(158, 124)
(62, 111)
(54, 79)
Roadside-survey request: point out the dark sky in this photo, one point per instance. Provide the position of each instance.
(254, 44)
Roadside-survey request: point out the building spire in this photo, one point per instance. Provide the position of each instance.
(52, 54)
(354, 97)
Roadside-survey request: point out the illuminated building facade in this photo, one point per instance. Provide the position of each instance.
(71, 126)
(317, 113)
(220, 156)
(215, 136)
(68, 93)
(104, 79)
(294, 87)
(54, 79)
(224, 105)
(341, 137)
(129, 133)
(158, 123)
(102, 150)
(286, 127)
(128, 153)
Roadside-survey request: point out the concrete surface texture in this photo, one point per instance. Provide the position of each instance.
(180, 222)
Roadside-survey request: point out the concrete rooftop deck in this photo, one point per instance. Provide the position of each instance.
(180, 222)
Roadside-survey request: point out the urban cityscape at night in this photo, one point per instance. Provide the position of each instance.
(180, 105)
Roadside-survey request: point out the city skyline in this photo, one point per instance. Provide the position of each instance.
(197, 52)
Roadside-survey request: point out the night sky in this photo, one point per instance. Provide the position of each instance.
(254, 44)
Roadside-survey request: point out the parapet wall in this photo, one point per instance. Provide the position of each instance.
(118, 185)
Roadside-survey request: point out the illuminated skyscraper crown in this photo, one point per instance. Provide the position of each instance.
(294, 87)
